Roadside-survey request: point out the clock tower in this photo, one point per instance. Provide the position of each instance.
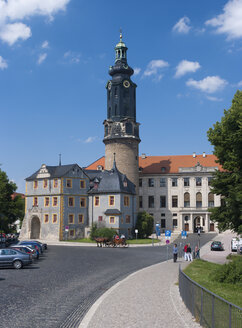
(121, 131)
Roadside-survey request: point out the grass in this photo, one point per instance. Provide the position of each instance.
(202, 272)
(142, 241)
(82, 240)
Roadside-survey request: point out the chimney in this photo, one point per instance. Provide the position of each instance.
(204, 154)
(194, 155)
(143, 156)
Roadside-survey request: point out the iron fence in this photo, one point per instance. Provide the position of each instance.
(210, 310)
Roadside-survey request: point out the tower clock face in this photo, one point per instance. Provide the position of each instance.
(126, 84)
(109, 85)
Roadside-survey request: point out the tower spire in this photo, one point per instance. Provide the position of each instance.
(120, 35)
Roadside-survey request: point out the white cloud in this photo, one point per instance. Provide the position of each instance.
(185, 67)
(209, 84)
(42, 57)
(45, 45)
(230, 21)
(214, 98)
(72, 57)
(90, 139)
(3, 63)
(137, 70)
(11, 33)
(154, 67)
(13, 11)
(239, 84)
(182, 26)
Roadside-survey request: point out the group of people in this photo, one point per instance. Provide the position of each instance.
(187, 252)
(116, 237)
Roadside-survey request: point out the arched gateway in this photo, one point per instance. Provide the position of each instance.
(35, 228)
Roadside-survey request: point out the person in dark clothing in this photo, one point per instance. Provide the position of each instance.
(175, 251)
(189, 252)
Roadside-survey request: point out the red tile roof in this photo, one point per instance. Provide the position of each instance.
(15, 194)
(153, 164)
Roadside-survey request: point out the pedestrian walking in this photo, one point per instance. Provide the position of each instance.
(198, 232)
(189, 253)
(197, 252)
(175, 251)
(185, 252)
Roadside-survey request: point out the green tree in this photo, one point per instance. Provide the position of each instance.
(11, 208)
(226, 137)
(144, 224)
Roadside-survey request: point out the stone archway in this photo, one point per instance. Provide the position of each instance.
(197, 223)
(35, 228)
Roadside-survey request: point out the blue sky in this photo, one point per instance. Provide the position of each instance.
(54, 60)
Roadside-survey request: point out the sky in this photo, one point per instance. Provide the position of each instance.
(54, 61)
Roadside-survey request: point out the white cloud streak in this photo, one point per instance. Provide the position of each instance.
(72, 57)
(209, 84)
(185, 67)
(230, 21)
(3, 63)
(90, 139)
(45, 45)
(154, 67)
(137, 70)
(13, 11)
(182, 26)
(42, 58)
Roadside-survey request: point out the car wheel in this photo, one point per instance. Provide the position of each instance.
(17, 264)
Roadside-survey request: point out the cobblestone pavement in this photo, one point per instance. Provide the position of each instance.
(59, 289)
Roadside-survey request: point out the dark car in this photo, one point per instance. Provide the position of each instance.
(43, 245)
(239, 249)
(15, 258)
(26, 249)
(30, 242)
(217, 246)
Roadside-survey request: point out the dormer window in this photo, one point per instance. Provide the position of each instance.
(99, 168)
(163, 169)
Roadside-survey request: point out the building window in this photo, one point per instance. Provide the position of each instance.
(71, 218)
(162, 182)
(96, 201)
(54, 218)
(46, 218)
(174, 223)
(162, 214)
(127, 219)
(126, 200)
(82, 202)
(186, 182)
(129, 231)
(55, 183)
(47, 202)
(210, 180)
(140, 201)
(35, 201)
(174, 201)
(80, 218)
(163, 223)
(111, 219)
(198, 182)
(55, 201)
(174, 182)
(71, 201)
(151, 182)
(45, 183)
(68, 183)
(100, 218)
(111, 200)
(163, 169)
(151, 202)
(162, 201)
(186, 199)
(140, 182)
(72, 233)
(82, 184)
(198, 199)
(210, 200)
(35, 184)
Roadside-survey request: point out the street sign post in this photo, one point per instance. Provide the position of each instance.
(136, 232)
(157, 229)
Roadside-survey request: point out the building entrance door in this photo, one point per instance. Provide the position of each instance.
(35, 228)
(197, 223)
(211, 226)
(186, 226)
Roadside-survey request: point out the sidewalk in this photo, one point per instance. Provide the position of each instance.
(149, 297)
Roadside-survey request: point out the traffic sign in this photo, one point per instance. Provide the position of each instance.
(167, 241)
(184, 234)
(168, 233)
(66, 228)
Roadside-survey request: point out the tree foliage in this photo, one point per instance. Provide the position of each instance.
(226, 137)
(102, 232)
(11, 208)
(144, 224)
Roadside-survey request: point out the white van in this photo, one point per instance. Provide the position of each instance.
(234, 244)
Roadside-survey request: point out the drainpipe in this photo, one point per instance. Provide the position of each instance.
(92, 210)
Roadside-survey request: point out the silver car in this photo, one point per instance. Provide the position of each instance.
(15, 258)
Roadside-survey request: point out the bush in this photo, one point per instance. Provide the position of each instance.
(229, 273)
(102, 232)
(144, 224)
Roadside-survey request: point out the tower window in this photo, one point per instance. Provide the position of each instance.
(116, 91)
(115, 110)
(129, 128)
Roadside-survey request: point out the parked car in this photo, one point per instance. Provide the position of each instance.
(44, 246)
(234, 244)
(239, 249)
(15, 258)
(30, 242)
(217, 246)
(26, 249)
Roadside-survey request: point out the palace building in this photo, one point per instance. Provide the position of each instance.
(64, 201)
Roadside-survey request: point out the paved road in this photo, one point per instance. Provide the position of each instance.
(59, 289)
